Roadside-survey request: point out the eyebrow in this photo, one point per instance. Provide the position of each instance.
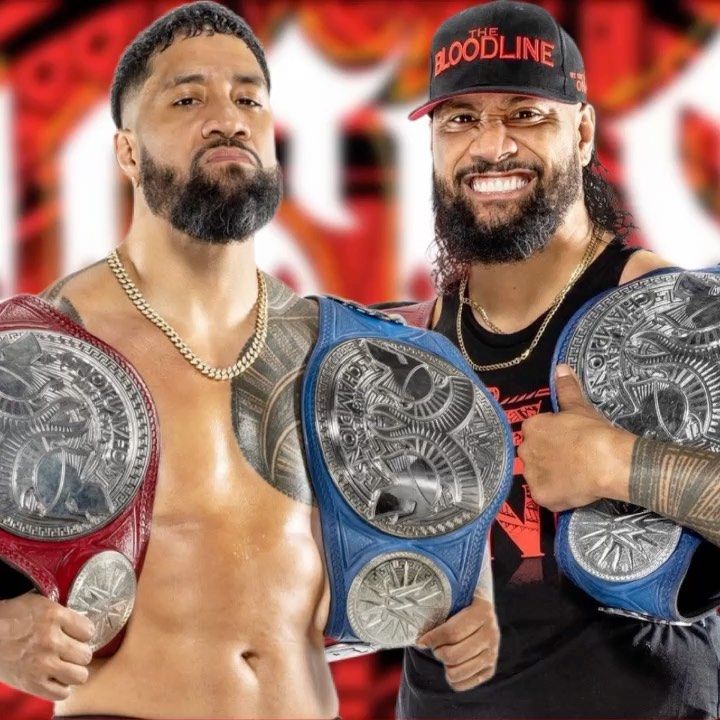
(514, 100)
(518, 99)
(454, 105)
(200, 79)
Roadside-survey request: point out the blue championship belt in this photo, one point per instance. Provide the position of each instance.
(410, 459)
(648, 358)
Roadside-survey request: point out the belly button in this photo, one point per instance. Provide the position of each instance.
(250, 658)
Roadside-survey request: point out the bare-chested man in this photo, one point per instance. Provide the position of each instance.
(233, 598)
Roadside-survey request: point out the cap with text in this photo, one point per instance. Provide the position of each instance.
(504, 46)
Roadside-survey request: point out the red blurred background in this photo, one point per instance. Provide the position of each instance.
(356, 220)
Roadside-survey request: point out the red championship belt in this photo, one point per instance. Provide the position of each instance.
(78, 465)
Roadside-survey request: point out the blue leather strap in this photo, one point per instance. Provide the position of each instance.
(350, 542)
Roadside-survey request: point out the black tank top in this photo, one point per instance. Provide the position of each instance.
(559, 656)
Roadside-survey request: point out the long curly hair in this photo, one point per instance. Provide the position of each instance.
(602, 204)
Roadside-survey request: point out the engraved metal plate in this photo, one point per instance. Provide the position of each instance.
(620, 542)
(74, 436)
(104, 591)
(412, 444)
(348, 651)
(396, 598)
(648, 356)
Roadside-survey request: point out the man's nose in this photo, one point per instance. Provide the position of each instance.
(228, 121)
(492, 143)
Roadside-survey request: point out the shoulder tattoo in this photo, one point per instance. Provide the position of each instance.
(266, 398)
(54, 296)
(68, 309)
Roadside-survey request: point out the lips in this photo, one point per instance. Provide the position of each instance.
(230, 154)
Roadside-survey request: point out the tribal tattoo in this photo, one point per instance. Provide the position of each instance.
(681, 483)
(53, 295)
(67, 308)
(266, 397)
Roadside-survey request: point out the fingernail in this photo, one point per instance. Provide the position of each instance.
(563, 370)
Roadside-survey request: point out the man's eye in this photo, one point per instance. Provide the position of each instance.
(186, 101)
(248, 101)
(526, 115)
(461, 119)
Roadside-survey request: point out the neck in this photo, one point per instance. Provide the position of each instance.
(199, 288)
(515, 294)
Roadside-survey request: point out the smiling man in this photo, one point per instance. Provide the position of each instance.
(527, 232)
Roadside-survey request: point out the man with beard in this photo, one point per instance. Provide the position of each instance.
(233, 598)
(528, 231)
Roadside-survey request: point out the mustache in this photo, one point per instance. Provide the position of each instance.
(228, 142)
(482, 166)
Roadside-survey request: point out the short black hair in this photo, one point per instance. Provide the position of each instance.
(186, 21)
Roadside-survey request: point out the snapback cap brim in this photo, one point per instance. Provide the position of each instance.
(511, 89)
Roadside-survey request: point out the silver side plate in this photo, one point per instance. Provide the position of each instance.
(396, 598)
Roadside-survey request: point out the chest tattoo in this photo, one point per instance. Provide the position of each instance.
(266, 398)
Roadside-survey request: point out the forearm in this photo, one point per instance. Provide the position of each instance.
(484, 587)
(680, 483)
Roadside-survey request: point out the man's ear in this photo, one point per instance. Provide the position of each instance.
(126, 152)
(586, 133)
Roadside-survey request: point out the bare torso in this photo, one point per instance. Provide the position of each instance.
(232, 598)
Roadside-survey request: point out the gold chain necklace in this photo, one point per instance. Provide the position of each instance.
(477, 306)
(226, 373)
(597, 234)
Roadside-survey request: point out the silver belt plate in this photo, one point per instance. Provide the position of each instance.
(74, 436)
(412, 444)
(648, 356)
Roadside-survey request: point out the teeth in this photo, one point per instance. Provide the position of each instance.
(493, 185)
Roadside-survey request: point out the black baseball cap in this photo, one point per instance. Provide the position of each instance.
(504, 46)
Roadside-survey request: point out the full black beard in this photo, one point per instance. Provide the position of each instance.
(467, 240)
(211, 211)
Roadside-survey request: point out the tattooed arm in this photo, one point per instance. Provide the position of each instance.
(575, 457)
(680, 483)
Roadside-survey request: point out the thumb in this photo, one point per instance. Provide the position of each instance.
(567, 386)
